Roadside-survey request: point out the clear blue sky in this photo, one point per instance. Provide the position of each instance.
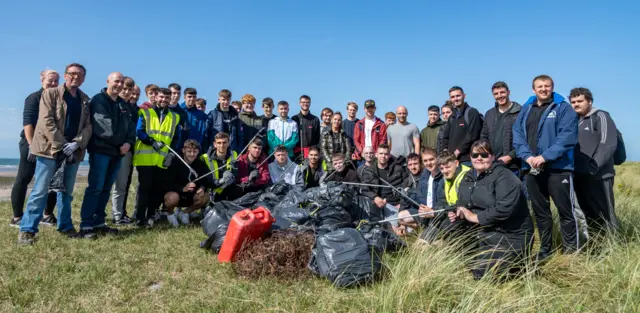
(396, 52)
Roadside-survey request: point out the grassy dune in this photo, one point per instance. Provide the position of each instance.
(164, 270)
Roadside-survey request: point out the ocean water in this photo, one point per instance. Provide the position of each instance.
(11, 165)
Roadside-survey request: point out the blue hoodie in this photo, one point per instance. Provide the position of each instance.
(197, 121)
(557, 134)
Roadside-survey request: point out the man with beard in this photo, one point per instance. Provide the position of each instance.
(308, 128)
(313, 170)
(498, 127)
(463, 127)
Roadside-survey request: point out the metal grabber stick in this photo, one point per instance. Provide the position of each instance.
(192, 172)
(447, 209)
(234, 161)
(401, 192)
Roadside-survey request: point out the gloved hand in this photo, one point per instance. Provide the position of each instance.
(157, 145)
(30, 157)
(246, 184)
(168, 159)
(69, 148)
(253, 175)
(227, 179)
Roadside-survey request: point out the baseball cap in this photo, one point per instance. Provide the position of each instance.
(369, 103)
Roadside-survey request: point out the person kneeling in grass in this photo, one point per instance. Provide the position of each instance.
(492, 203)
(182, 190)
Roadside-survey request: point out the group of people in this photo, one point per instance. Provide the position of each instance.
(464, 171)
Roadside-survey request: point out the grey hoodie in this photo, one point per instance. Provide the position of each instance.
(289, 170)
(597, 142)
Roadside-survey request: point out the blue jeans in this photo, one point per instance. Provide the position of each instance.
(45, 168)
(103, 170)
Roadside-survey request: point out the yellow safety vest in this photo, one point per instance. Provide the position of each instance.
(324, 168)
(214, 166)
(145, 155)
(451, 188)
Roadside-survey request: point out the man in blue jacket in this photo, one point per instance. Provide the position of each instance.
(197, 120)
(224, 118)
(544, 137)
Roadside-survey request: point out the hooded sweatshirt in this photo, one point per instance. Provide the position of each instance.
(287, 173)
(597, 143)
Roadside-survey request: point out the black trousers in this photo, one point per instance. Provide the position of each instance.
(26, 170)
(595, 196)
(557, 185)
(150, 191)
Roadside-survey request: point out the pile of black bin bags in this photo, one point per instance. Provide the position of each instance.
(343, 254)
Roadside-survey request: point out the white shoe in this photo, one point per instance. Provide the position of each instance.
(184, 218)
(173, 219)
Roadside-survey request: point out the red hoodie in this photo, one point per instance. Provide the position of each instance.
(378, 135)
(243, 171)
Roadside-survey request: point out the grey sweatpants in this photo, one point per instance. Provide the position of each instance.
(121, 187)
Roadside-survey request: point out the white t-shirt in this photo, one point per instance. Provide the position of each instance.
(430, 192)
(368, 128)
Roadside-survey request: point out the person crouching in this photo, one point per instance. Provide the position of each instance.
(182, 190)
(490, 196)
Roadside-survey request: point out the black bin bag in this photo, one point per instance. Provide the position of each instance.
(344, 257)
(381, 238)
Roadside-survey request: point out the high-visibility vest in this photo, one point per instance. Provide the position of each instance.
(451, 188)
(144, 154)
(214, 166)
(306, 176)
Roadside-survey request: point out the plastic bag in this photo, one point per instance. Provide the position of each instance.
(381, 239)
(363, 208)
(344, 257)
(215, 240)
(217, 214)
(294, 215)
(329, 218)
(294, 198)
(248, 199)
(57, 181)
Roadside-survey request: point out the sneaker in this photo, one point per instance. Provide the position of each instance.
(15, 222)
(71, 233)
(49, 220)
(141, 223)
(26, 238)
(150, 223)
(105, 230)
(173, 219)
(184, 218)
(125, 220)
(84, 234)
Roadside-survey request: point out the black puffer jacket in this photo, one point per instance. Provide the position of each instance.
(113, 124)
(496, 197)
(489, 131)
(397, 174)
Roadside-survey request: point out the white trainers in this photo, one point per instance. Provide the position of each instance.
(173, 219)
(184, 218)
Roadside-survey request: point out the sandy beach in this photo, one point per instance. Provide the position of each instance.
(7, 178)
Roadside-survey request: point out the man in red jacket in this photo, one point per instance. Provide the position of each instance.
(253, 173)
(370, 131)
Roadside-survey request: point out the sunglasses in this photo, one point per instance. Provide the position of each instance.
(484, 155)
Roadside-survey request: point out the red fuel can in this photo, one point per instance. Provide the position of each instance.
(245, 225)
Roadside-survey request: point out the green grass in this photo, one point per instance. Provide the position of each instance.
(114, 274)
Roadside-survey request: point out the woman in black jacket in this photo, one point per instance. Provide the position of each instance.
(334, 140)
(490, 196)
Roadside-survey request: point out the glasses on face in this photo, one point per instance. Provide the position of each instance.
(475, 155)
(75, 74)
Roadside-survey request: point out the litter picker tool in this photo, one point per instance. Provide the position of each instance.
(233, 161)
(283, 173)
(192, 173)
(400, 192)
(447, 209)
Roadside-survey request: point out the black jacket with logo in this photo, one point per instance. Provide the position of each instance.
(112, 124)
(460, 135)
(308, 130)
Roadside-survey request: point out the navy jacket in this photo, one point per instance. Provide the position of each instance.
(216, 124)
(112, 124)
(557, 134)
(197, 123)
(420, 194)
